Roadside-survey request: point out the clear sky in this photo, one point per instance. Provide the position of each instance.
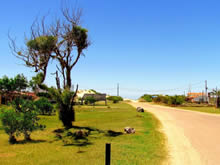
(146, 46)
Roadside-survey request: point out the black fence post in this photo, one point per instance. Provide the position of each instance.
(107, 153)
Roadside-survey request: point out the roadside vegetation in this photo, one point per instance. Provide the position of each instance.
(101, 124)
(115, 99)
(181, 102)
(167, 100)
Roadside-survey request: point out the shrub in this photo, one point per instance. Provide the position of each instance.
(157, 99)
(10, 123)
(90, 100)
(170, 100)
(22, 119)
(115, 99)
(44, 106)
(29, 119)
(44, 94)
(146, 97)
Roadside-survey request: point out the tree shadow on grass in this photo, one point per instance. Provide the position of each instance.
(77, 143)
(111, 133)
(70, 138)
(89, 129)
(30, 141)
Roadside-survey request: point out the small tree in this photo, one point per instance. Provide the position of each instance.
(10, 122)
(28, 120)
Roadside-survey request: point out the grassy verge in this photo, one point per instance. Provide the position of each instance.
(202, 109)
(193, 107)
(106, 124)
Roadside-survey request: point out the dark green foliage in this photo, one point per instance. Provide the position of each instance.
(115, 99)
(44, 94)
(22, 119)
(44, 44)
(79, 35)
(44, 106)
(65, 102)
(17, 83)
(36, 81)
(29, 119)
(147, 98)
(176, 100)
(90, 100)
(170, 100)
(10, 123)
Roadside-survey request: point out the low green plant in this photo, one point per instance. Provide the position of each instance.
(44, 106)
(44, 94)
(10, 122)
(20, 118)
(28, 119)
(147, 98)
(170, 100)
(90, 100)
(115, 99)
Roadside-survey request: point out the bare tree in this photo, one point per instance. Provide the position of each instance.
(64, 41)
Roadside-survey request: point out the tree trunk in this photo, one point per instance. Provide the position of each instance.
(67, 115)
(68, 78)
(27, 136)
(12, 139)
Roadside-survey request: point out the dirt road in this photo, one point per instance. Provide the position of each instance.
(193, 137)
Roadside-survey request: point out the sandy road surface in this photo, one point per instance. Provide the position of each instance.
(193, 137)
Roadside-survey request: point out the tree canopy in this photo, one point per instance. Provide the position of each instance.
(18, 83)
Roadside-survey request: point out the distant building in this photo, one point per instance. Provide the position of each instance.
(197, 97)
(10, 96)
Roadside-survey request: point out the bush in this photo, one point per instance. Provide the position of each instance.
(115, 99)
(22, 119)
(146, 97)
(44, 94)
(170, 100)
(90, 100)
(10, 123)
(29, 120)
(44, 106)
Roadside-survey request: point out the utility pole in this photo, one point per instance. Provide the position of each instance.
(206, 91)
(118, 89)
(217, 98)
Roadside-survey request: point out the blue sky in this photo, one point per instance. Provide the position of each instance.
(152, 46)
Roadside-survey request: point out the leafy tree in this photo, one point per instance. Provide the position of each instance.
(10, 123)
(18, 83)
(62, 41)
(22, 118)
(28, 120)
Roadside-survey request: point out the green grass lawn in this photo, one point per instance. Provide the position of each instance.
(106, 124)
(202, 109)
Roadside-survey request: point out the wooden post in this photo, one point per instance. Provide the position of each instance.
(217, 101)
(107, 153)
